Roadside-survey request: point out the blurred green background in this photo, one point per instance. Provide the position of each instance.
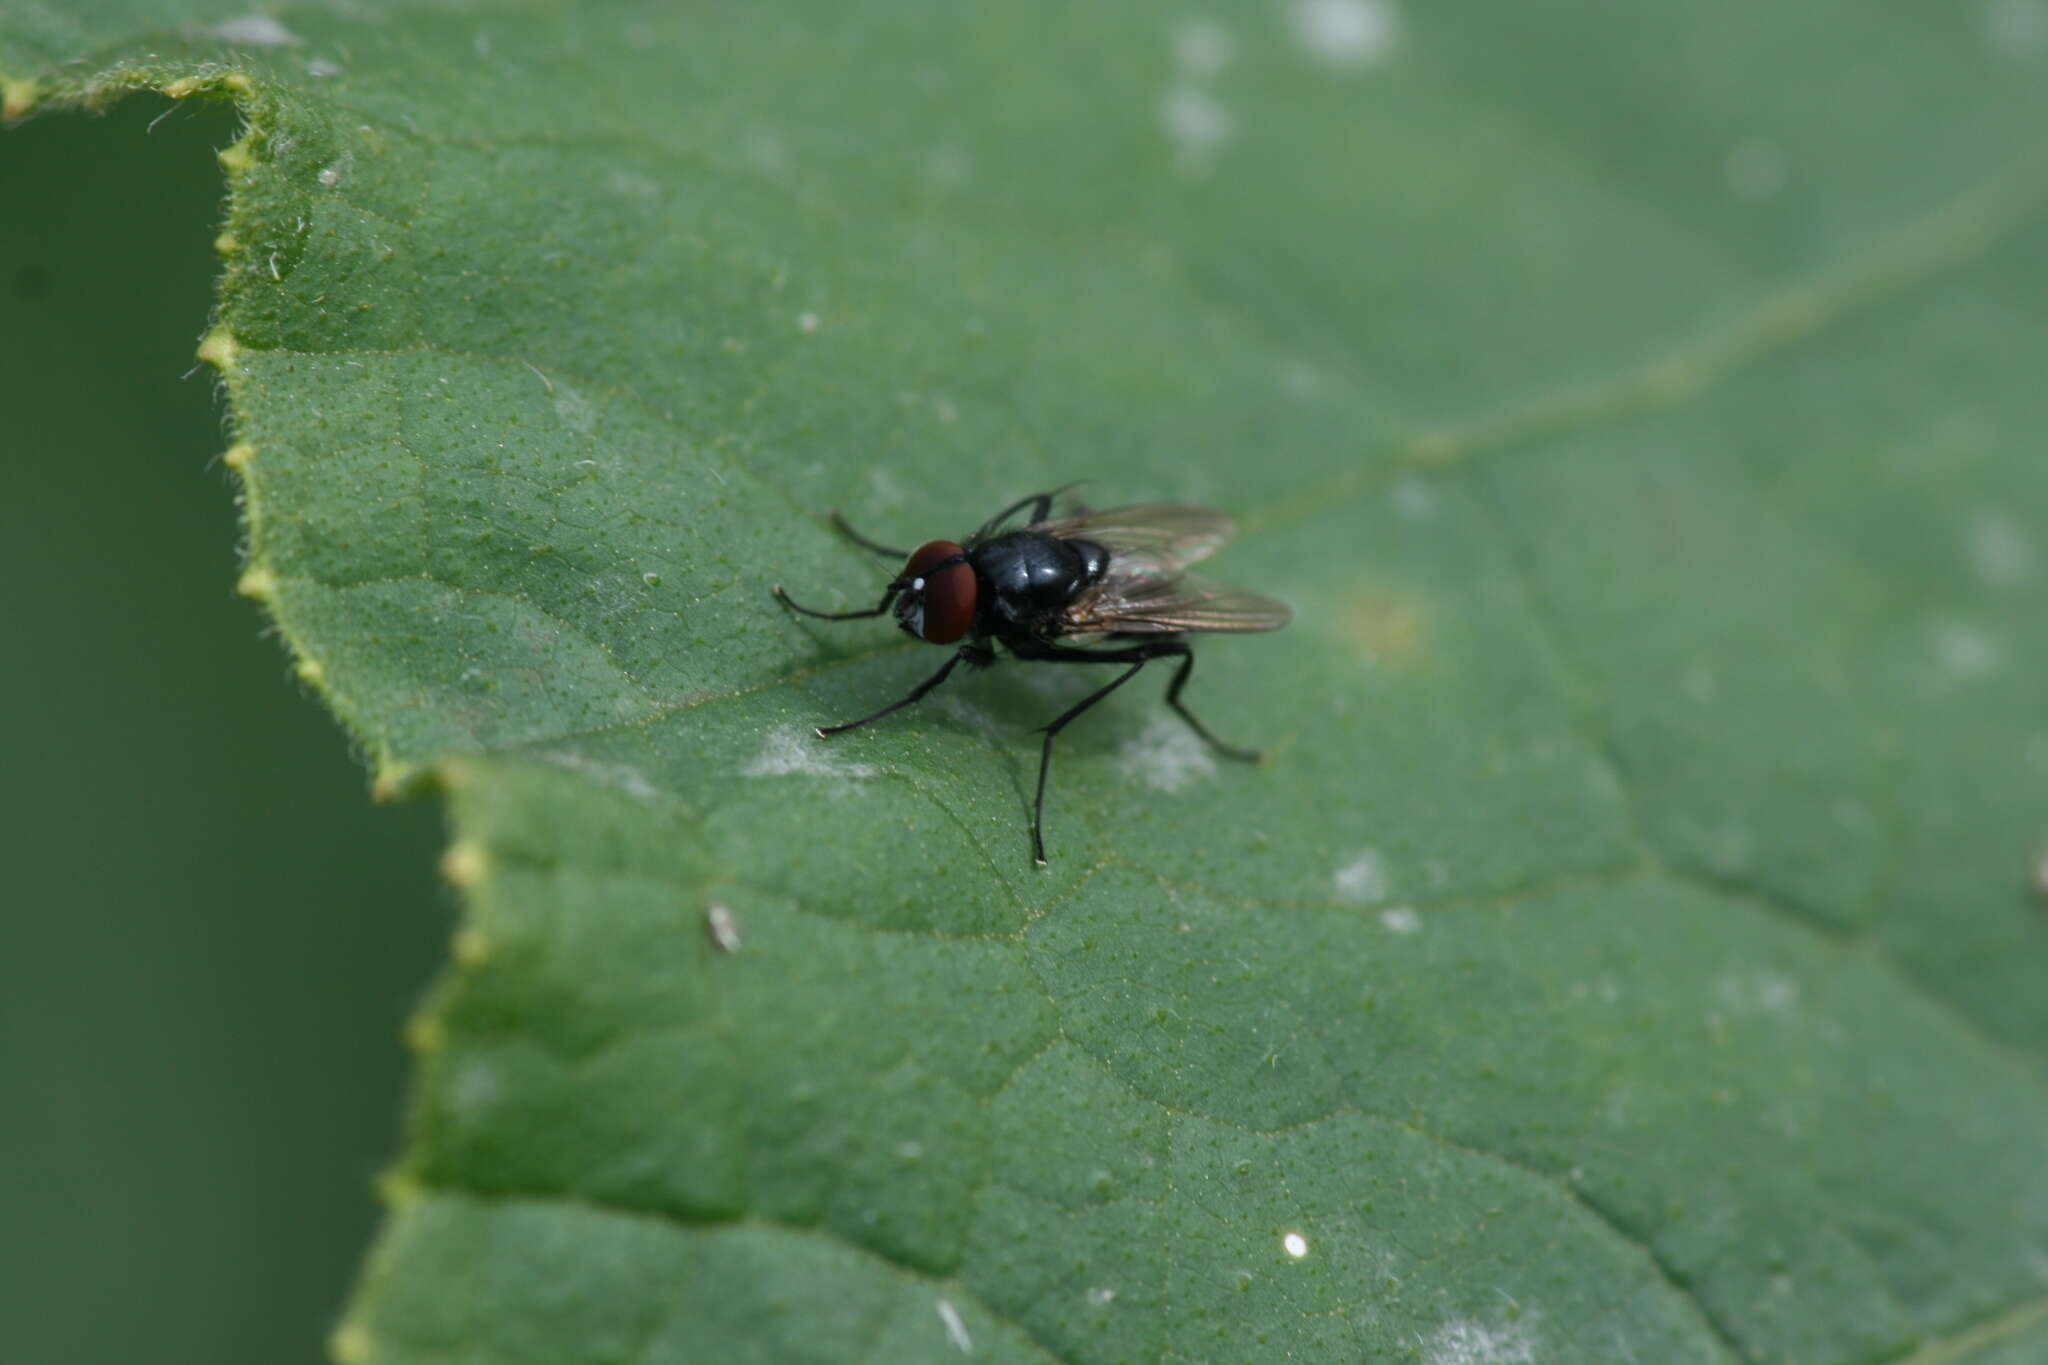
(210, 936)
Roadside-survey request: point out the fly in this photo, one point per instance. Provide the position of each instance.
(1107, 587)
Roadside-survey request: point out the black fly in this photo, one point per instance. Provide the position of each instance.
(1092, 578)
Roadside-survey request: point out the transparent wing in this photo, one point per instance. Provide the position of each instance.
(1144, 604)
(1161, 537)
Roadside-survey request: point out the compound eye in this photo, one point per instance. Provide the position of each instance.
(947, 594)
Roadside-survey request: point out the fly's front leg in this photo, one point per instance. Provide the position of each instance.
(976, 655)
(861, 540)
(790, 602)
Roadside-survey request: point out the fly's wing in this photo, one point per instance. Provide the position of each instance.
(1155, 538)
(1144, 604)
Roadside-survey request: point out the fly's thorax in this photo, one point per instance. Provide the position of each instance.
(1029, 575)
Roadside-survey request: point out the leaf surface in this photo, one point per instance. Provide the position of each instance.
(1628, 950)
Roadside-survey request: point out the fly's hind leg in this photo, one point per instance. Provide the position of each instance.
(1059, 724)
(1180, 680)
(1137, 656)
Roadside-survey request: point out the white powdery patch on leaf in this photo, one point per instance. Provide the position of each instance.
(1964, 651)
(2000, 549)
(475, 1086)
(1166, 756)
(574, 409)
(1414, 499)
(1363, 880)
(1756, 169)
(1757, 992)
(800, 753)
(627, 779)
(971, 716)
(1472, 1343)
(1347, 32)
(1299, 379)
(1400, 920)
(1196, 122)
(254, 30)
(631, 183)
(2014, 29)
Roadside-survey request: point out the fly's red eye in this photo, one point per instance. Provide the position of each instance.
(947, 594)
(928, 554)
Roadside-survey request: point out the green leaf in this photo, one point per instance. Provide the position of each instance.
(1629, 950)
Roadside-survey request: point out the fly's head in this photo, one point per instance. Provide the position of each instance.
(937, 592)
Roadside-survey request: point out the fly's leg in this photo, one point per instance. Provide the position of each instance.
(1045, 754)
(1039, 503)
(976, 655)
(887, 598)
(866, 544)
(1180, 680)
(1137, 656)
(861, 540)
